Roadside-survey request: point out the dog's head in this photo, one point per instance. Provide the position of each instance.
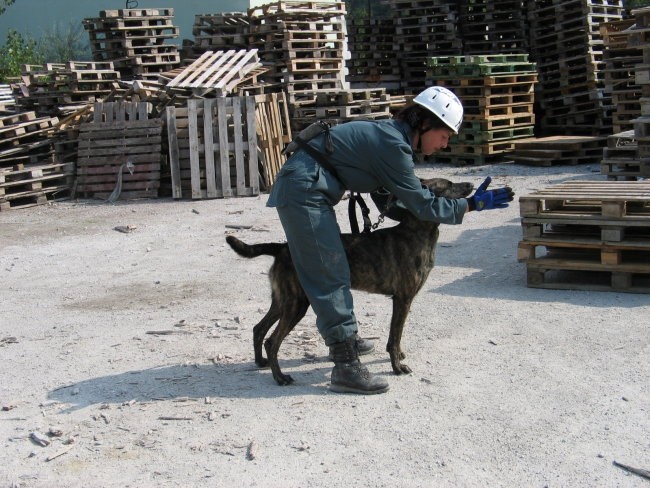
(445, 188)
(438, 186)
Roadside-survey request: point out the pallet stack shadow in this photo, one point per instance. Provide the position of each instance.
(119, 152)
(135, 41)
(498, 97)
(587, 235)
(567, 46)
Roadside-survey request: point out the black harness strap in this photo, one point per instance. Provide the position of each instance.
(355, 198)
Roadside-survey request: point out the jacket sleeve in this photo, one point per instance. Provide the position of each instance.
(395, 170)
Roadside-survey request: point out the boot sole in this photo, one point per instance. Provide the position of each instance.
(351, 389)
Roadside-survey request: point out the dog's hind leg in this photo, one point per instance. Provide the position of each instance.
(260, 331)
(401, 307)
(288, 320)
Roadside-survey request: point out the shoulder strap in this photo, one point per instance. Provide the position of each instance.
(355, 198)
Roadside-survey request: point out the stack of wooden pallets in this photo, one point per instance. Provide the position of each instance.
(30, 173)
(135, 41)
(621, 158)
(218, 32)
(489, 27)
(422, 30)
(119, 152)
(62, 88)
(497, 92)
(303, 44)
(372, 60)
(587, 235)
(639, 37)
(7, 100)
(620, 83)
(567, 46)
(337, 106)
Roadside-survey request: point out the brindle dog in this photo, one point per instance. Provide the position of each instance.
(395, 261)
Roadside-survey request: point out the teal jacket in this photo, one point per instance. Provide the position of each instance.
(372, 154)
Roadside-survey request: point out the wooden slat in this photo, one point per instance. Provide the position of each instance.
(208, 144)
(223, 145)
(194, 148)
(174, 156)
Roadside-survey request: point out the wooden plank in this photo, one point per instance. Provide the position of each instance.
(226, 83)
(240, 173)
(194, 148)
(222, 114)
(253, 170)
(208, 144)
(174, 157)
(217, 60)
(191, 72)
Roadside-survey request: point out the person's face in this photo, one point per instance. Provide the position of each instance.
(434, 139)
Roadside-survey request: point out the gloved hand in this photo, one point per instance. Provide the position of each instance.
(484, 199)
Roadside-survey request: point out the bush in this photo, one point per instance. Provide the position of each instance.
(18, 51)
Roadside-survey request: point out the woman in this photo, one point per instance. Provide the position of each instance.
(362, 156)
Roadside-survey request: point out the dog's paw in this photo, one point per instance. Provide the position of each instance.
(401, 368)
(262, 363)
(283, 379)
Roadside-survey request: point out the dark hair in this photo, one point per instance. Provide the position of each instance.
(419, 118)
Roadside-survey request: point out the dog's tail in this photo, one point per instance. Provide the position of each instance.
(254, 250)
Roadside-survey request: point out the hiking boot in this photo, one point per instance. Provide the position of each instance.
(364, 346)
(349, 375)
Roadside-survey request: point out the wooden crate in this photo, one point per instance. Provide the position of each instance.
(213, 149)
(119, 152)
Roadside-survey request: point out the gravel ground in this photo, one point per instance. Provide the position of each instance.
(129, 354)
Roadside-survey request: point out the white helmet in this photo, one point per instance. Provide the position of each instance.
(443, 103)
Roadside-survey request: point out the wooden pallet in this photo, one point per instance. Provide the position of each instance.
(28, 185)
(587, 235)
(219, 71)
(547, 151)
(273, 134)
(589, 200)
(298, 8)
(210, 141)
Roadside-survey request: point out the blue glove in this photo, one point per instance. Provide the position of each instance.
(484, 199)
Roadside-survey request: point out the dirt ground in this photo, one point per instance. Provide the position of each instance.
(128, 355)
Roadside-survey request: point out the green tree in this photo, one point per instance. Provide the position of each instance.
(16, 52)
(65, 43)
(4, 4)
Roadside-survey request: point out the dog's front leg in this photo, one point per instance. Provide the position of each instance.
(401, 308)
